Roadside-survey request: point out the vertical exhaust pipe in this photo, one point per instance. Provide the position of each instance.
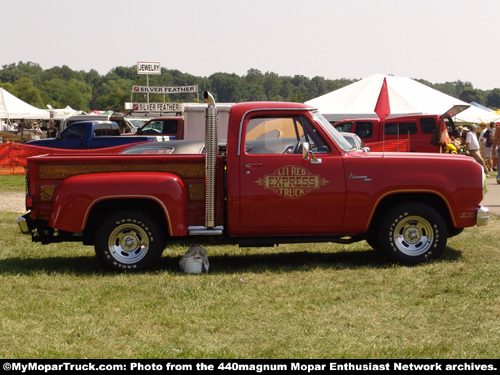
(211, 150)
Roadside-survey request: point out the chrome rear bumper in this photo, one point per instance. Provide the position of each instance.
(483, 216)
(23, 225)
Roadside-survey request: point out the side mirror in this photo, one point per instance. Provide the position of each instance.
(305, 150)
(308, 154)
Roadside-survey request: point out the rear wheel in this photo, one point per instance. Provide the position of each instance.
(128, 240)
(412, 233)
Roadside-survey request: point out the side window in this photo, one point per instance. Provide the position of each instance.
(402, 128)
(282, 135)
(75, 131)
(364, 129)
(170, 127)
(428, 125)
(102, 130)
(153, 127)
(98, 131)
(344, 127)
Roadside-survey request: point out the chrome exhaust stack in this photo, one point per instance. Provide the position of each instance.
(211, 150)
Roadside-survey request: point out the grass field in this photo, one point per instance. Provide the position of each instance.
(295, 301)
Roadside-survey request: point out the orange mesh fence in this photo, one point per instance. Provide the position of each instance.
(402, 145)
(13, 155)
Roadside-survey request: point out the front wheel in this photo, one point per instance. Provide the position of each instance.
(412, 233)
(128, 240)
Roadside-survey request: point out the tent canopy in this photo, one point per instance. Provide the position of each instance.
(63, 112)
(406, 96)
(476, 115)
(14, 108)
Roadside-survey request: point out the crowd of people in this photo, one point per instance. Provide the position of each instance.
(32, 127)
(480, 142)
(495, 149)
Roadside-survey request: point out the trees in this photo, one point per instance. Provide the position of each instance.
(62, 86)
(470, 95)
(27, 92)
(493, 99)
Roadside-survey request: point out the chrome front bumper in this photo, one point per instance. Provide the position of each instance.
(483, 216)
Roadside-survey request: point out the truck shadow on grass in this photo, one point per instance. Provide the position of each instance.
(298, 261)
(219, 264)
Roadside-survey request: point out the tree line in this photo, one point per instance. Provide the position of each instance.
(81, 90)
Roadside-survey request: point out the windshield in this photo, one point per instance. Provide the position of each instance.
(337, 137)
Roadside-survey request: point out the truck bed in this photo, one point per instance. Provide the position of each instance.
(52, 170)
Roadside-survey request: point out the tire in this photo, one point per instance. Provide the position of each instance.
(129, 240)
(412, 233)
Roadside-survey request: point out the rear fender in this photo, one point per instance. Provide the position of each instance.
(75, 197)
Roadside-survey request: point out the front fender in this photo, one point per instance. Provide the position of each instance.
(75, 197)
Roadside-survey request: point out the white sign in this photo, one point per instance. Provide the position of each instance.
(148, 68)
(158, 107)
(164, 90)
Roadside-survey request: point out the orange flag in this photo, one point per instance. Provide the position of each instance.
(444, 138)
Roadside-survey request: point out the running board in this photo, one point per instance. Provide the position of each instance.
(204, 231)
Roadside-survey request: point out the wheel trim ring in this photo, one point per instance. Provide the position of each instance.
(128, 243)
(413, 236)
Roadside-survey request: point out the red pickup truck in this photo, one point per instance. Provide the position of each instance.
(422, 131)
(285, 176)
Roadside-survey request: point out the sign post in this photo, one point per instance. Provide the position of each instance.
(155, 68)
(148, 68)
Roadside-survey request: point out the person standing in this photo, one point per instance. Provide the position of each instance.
(51, 131)
(37, 131)
(496, 142)
(472, 146)
(482, 140)
(488, 146)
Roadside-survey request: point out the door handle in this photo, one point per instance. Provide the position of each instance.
(253, 165)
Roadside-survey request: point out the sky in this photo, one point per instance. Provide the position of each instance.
(436, 40)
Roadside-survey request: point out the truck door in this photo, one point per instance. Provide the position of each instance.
(280, 192)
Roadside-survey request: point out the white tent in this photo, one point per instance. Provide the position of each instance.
(63, 112)
(14, 108)
(406, 96)
(475, 114)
